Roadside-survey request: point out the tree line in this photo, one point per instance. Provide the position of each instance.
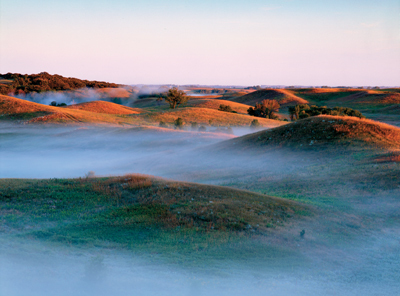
(23, 84)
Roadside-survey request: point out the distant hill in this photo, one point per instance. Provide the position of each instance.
(322, 132)
(14, 83)
(103, 112)
(284, 97)
(93, 112)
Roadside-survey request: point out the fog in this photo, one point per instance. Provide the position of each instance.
(367, 264)
(66, 152)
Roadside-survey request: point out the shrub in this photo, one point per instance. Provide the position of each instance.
(202, 128)
(178, 123)
(255, 124)
(162, 124)
(266, 109)
(225, 108)
(194, 125)
(303, 111)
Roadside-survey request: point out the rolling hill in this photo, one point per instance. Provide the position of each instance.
(101, 112)
(322, 132)
(105, 107)
(283, 96)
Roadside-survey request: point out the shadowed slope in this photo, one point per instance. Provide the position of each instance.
(323, 132)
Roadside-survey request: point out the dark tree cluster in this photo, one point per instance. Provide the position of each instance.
(22, 84)
(267, 109)
(226, 108)
(303, 111)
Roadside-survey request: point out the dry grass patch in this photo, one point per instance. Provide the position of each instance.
(207, 116)
(105, 107)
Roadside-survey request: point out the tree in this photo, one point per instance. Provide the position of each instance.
(176, 97)
(266, 109)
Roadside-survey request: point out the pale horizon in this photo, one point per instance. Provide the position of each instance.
(286, 42)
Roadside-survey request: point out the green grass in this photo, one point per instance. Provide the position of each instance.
(178, 221)
(322, 98)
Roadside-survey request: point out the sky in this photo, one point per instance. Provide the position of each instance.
(214, 42)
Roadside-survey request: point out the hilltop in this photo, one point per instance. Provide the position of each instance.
(284, 97)
(322, 132)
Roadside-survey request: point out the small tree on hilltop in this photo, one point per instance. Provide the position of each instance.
(176, 97)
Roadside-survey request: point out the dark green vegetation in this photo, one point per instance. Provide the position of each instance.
(21, 84)
(144, 214)
(267, 109)
(226, 108)
(304, 111)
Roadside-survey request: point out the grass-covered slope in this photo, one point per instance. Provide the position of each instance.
(105, 107)
(215, 104)
(101, 112)
(137, 212)
(208, 116)
(323, 132)
(284, 97)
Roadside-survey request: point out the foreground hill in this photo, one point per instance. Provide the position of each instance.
(322, 132)
(136, 211)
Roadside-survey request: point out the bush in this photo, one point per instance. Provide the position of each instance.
(225, 108)
(54, 104)
(194, 125)
(178, 123)
(255, 124)
(162, 124)
(266, 109)
(202, 128)
(303, 111)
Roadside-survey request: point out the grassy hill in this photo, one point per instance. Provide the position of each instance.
(207, 116)
(140, 212)
(101, 112)
(284, 97)
(214, 103)
(105, 107)
(323, 132)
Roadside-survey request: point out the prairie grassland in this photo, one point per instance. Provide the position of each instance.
(145, 214)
